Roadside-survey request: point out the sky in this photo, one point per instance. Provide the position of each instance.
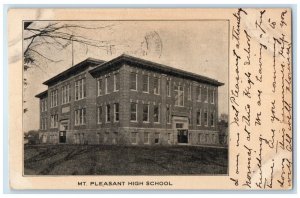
(200, 47)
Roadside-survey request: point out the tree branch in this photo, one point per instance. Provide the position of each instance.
(44, 56)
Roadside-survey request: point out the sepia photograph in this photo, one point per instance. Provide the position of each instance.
(151, 99)
(125, 97)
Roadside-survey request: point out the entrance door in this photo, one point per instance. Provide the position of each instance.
(182, 136)
(64, 126)
(62, 137)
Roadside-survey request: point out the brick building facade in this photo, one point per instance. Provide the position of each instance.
(129, 100)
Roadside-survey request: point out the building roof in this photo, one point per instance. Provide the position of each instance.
(71, 70)
(145, 64)
(42, 94)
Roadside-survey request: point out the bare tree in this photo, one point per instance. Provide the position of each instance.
(55, 36)
(58, 36)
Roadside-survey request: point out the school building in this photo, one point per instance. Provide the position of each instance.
(129, 101)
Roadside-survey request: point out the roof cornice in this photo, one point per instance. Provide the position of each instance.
(72, 69)
(40, 95)
(124, 58)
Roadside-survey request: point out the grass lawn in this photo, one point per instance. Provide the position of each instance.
(123, 160)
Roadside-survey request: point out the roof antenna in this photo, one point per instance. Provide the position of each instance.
(71, 38)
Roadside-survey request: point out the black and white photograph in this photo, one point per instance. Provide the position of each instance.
(125, 97)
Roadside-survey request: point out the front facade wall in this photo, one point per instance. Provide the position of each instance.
(99, 131)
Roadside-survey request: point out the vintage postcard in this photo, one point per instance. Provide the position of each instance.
(150, 99)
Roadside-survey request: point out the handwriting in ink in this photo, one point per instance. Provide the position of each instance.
(282, 22)
(259, 24)
(273, 111)
(250, 83)
(259, 97)
(289, 74)
(270, 184)
(283, 42)
(236, 30)
(235, 92)
(257, 119)
(249, 171)
(285, 163)
(248, 49)
(260, 63)
(272, 24)
(274, 63)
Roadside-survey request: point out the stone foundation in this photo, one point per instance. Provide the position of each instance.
(131, 136)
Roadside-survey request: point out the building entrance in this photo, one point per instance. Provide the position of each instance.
(182, 136)
(64, 126)
(62, 137)
(181, 125)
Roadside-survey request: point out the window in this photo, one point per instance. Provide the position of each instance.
(99, 87)
(156, 113)
(156, 85)
(190, 116)
(81, 138)
(146, 83)
(133, 81)
(65, 94)
(190, 91)
(179, 125)
(179, 96)
(168, 88)
(199, 117)
(99, 114)
(44, 123)
(146, 137)
(44, 105)
(199, 138)
(80, 116)
(145, 113)
(156, 138)
(199, 93)
(212, 98)
(80, 89)
(205, 117)
(54, 96)
(83, 116)
(107, 113)
(116, 81)
(133, 111)
(212, 119)
(169, 138)
(114, 138)
(54, 121)
(168, 112)
(206, 100)
(116, 109)
(206, 94)
(206, 138)
(105, 138)
(106, 85)
(133, 137)
(98, 138)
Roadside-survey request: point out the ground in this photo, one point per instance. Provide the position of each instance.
(123, 160)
